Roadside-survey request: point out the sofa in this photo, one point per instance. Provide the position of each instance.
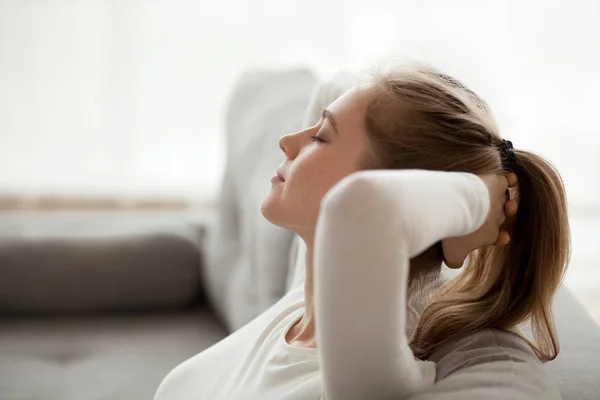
(102, 305)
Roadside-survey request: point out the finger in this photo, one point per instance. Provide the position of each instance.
(454, 266)
(503, 239)
(510, 207)
(512, 180)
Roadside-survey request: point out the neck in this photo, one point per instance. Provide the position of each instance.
(302, 333)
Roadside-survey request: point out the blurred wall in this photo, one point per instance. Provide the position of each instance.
(126, 97)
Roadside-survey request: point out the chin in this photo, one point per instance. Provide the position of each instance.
(268, 209)
(293, 217)
(271, 208)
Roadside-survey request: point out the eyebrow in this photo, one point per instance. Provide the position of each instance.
(329, 116)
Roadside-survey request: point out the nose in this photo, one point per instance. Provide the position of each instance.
(289, 145)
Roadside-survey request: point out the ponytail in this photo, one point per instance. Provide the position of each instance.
(503, 287)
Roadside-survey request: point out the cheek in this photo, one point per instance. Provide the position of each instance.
(302, 193)
(311, 179)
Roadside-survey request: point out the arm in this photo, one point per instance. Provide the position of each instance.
(371, 224)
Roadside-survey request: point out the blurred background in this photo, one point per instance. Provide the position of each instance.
(120, 103)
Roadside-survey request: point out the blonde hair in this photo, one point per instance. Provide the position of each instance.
(419, 118)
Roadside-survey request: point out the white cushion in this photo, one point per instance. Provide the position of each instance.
(247, 256)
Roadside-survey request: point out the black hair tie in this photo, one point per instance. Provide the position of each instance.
(507, 155)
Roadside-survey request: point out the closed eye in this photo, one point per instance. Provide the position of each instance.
(317, 139)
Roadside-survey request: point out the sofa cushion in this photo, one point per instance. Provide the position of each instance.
(82, 262)
(575, 369)
(98, 358)
(489, 365)
(498, 365)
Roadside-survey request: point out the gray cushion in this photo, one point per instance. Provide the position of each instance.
(96, 262)
(575, 370)
(497, 365)
(489, 365)
(98, 358)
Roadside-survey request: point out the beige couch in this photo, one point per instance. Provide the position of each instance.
(103, 305)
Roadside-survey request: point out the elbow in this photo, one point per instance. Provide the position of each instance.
(352, 191)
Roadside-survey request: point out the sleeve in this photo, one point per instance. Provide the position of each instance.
(371, 223)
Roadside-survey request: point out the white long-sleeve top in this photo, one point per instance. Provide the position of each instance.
(370, 224)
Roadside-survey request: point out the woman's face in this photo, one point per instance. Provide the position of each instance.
(315, 160)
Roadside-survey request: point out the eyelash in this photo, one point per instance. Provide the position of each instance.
(317, 139)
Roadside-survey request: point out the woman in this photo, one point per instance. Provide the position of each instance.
(399, 174)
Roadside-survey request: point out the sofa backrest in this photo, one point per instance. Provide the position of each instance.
(245, 268)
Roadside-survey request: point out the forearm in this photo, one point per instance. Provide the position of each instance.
(369, 227)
